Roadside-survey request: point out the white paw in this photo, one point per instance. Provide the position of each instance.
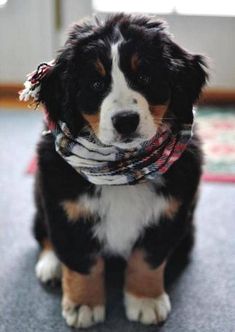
(48, 267)
(83, 316)
(147, 310)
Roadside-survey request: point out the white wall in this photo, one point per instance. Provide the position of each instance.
(72, 11)
(25, 37)
(28, 37)
(212, 36)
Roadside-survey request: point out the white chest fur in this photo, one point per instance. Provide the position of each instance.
(124, 212)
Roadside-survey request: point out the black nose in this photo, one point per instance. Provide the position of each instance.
(126, 122)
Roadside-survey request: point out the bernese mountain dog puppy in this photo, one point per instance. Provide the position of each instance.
(113, 87)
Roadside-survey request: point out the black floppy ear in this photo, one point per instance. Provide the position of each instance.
(57, 93)
(52, 91)
(189, 77)
(44, 85)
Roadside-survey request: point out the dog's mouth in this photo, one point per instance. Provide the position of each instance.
(129, 142)
(129, 139)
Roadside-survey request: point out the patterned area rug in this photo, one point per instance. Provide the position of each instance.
(217, 130)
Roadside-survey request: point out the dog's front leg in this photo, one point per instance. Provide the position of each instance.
(145, 297)
(71, 234)
(83, 301)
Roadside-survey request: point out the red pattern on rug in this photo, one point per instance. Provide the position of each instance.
(217, 130)
(32, 166)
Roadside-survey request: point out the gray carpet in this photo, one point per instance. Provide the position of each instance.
(203, 295)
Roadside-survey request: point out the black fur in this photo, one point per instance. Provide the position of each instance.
(68, 93)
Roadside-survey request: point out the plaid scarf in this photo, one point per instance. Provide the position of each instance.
(102, 164)
(109, 165)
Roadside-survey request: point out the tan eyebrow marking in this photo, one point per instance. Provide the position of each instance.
(135, 61)
(100, 67)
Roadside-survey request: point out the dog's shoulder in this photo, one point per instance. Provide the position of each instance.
(183, 177)
(56, 176)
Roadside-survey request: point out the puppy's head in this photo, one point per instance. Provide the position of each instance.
(124, 78)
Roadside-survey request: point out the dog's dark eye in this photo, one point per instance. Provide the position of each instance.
(97, 86)
(143, 79)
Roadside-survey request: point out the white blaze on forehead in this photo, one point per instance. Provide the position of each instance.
(123, 98)
(120, 89)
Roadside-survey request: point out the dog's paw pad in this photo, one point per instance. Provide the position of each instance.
(83, 316)
(48, 267)
(147, 310)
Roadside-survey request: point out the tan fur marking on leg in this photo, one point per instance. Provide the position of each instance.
(74, 210)
(94, 121)
(172, 208)
(141, 280)
(79, 289)
(46, 245)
